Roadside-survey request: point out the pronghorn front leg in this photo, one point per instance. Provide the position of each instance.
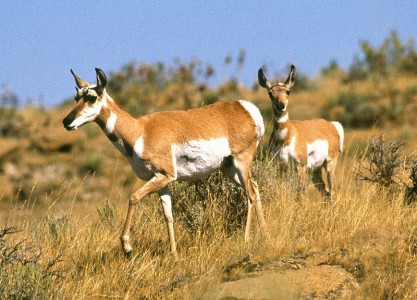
(302, 177)
(157, 183)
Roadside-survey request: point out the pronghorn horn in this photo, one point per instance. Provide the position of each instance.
(80, 83)
(262, 80)
(101, 81)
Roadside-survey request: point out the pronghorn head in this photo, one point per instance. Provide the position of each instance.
(89, 100)
(279, 92)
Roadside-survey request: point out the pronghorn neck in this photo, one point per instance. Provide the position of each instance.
(281, 119)
(113, 120)
(282, 132)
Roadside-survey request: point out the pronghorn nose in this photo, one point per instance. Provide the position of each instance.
(280, 106)
(68, 120)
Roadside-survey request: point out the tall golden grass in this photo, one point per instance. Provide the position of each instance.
(365, 229)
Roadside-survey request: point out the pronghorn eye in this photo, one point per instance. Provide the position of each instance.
(288, 92)
(90, 98)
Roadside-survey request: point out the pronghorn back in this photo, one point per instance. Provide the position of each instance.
(221, 119)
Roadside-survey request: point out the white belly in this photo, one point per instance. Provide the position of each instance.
(196, 159)
(317, 153)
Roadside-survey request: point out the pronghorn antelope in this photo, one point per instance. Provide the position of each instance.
(311, 144)
(175, 145)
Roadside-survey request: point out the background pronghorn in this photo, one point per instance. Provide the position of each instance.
(175, 145)
(310, 144)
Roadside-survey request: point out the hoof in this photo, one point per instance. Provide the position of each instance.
(128, 254)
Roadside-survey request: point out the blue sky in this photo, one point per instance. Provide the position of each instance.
(40, 41)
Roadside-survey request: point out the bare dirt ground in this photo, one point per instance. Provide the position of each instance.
(325, 275)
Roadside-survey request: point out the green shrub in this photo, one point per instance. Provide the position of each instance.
(352, 109)
(107, 212)
(383, 163)
(410, 93)
(93, 162)
(211, 203)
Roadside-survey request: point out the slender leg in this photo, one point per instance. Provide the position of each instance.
(259, 210)
(302, 175)
(318, 181)
(157, 183)
(240, 172)
(248, 220)
(330, 167)
(169, 220)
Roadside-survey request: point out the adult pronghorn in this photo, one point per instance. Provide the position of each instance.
(310, 144)
(175, 145)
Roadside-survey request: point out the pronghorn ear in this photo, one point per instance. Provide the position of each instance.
(101, 81)
(78, 81)
(291, 77)
(262, 80)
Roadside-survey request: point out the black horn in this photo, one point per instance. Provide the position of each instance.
(80, 83)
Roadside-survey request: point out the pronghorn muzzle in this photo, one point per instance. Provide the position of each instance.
(69, 119)
(279, 107)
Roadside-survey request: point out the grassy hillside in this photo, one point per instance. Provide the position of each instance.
(63, 196)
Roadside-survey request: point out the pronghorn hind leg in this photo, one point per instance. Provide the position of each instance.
(240, 172)
(169, 219)
(330, 169)
(158, 182)
(254, 202)
(259, 210)
(318, 182)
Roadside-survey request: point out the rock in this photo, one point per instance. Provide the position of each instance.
(318, 282)
(311, 277)
(56, 139)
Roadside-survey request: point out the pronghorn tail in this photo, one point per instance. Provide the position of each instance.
(256, 116)
(341, 133)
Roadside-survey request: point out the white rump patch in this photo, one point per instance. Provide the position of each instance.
(199, 158)
(317, 152)
(256, 116)
(341, 132)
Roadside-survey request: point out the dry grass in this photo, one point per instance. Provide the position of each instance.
(366, 229)
(373, 229)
